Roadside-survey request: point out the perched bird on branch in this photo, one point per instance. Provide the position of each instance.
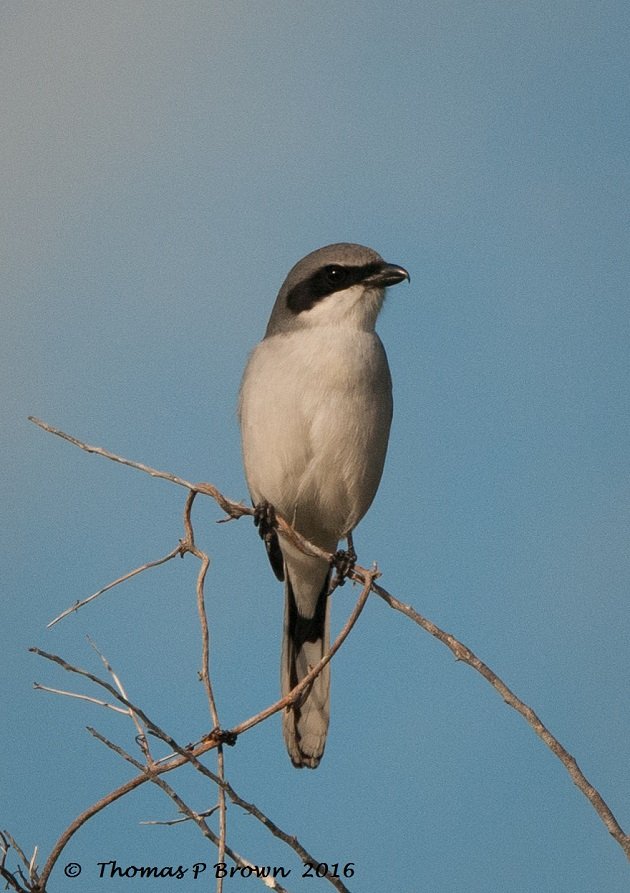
(315, 410)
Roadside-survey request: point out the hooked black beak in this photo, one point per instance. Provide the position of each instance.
(388, 274)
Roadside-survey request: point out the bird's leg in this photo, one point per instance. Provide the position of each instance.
(267, 524)
(265, 521)
(343, 561)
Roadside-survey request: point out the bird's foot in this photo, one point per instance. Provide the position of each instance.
(265, 521)
(223, 736)
(343, 562)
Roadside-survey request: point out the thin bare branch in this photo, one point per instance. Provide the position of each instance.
(11, 880)
(205, 667)
(6, 842)
(290, 840)
(294, 694)
(110, 688)
(464, 654)
(189, 546)
(32, 865)
(107, 454)
(85, 816)
(233, 509)
(203, 815)
(129, 711)
(238, 860)
(138, 570)
(73, 694)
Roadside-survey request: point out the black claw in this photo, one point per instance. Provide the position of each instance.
(343, 562)
(223, 736)
(266, 522)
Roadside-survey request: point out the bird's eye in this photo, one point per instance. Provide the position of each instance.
(335, 275)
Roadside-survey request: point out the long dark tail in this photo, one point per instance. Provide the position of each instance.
(305, 641)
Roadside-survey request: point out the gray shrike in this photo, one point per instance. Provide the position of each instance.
(315, 410)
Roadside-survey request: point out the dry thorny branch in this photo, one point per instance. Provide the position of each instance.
(26, 878)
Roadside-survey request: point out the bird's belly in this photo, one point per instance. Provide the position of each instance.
(315, 435)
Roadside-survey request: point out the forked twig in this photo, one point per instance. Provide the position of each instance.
(190, 754)
(189, 814)
(26, 882)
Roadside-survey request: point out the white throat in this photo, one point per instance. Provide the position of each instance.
(356, 307)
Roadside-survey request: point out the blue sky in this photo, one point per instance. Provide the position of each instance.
(163, 167)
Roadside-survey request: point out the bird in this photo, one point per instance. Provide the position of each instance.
(315, 409)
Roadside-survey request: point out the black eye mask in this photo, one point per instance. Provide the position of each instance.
(327, 280)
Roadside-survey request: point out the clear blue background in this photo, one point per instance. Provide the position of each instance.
(163, 166)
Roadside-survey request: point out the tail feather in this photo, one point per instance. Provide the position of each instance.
(305, 641)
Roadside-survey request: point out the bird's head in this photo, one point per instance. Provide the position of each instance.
(338, 285)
